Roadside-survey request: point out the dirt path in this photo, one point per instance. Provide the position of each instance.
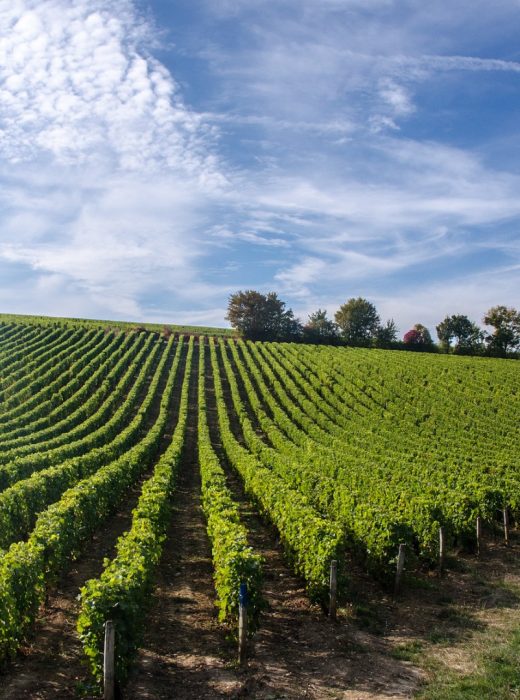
(184, 652)
(51, 665)
(298, 652)
(378, 649)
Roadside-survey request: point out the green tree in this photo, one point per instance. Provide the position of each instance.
(506, 336)
(458, 327)
(386, 335)
(319, 328)
(262, 317)
(424, 335)
(358, 321)
(445, 333)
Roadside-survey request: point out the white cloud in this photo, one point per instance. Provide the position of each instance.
(107, 175)
(396, 97)
(225, 234)
(418, 186)
(426, 207)
(115, 196)
(77, 83)
(300, 59)
(469, 294)
(118, 241)
(334, 128)
(471, 63)
(297, 278)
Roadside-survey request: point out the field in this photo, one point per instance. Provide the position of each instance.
(144, 476)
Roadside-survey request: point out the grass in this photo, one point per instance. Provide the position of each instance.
(498, 677)
(408, 651)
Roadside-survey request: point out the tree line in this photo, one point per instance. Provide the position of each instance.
(258, 316)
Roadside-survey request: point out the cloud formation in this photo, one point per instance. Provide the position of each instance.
(106, 173)
(312, 158)
(77, 84)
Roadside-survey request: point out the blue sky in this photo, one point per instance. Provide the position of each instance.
(156, 156)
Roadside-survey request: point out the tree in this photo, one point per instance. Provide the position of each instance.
(506, 336)
(262, 317)
(418, 338)
(458, 327)
(445, 333)
(386, 335)
(320, 329)
(358, 321)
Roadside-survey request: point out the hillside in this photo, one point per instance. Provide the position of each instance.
(138, 468)
(113, 325)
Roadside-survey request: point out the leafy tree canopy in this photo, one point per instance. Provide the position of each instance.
(506, 336)
(418, 338)
(386, 335)
(458, 327)
(262, 316)
(319, 328)
(358, 321)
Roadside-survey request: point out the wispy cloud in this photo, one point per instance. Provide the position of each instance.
(470, 294)
(257, 235)
(305, 161)
(107, 174)
(77, 84)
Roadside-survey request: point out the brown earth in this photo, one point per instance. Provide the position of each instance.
(297, 652)
(50, 664)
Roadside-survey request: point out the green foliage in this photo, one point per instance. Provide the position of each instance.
(76, 400)
(262, 317)
(122, 591)
(320, 329)
(386, 336)
(358, 321)
(60, 531)
(339, 448)
(21, 503)
(331, 416)
(311, 541)
(233, 559)
(506, 336)
(467, 334)
(126, 326)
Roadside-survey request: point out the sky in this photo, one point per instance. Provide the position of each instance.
(158, 155)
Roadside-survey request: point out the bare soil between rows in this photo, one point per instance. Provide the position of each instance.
(51, 663)
(297, 652)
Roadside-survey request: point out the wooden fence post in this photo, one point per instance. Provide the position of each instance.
(400, 568)
(506, 526)
(442, 544)
(333, 589)
(479, 534)
(108, 662)
(242, 623)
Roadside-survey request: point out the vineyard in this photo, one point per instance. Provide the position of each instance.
(341, 455)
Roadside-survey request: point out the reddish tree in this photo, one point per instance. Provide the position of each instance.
(412, 337)
(418, 338)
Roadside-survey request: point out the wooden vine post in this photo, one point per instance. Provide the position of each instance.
(333, 589)
(506, 526)
(400, 568)
(442, 549)
(479, 535)
(242, 623)
(108, 661)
